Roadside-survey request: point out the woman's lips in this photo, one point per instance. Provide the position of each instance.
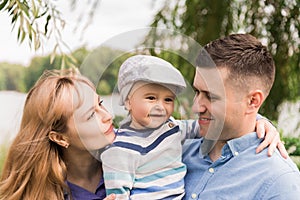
(109, 130)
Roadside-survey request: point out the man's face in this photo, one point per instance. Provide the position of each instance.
(217, 104)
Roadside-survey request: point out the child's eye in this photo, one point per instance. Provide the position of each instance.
(150, 97)
(169, 99)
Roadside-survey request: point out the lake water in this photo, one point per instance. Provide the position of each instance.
(11, 107)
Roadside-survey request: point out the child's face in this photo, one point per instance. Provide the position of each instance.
(150, 106)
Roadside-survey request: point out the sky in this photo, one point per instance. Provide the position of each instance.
(112, 17)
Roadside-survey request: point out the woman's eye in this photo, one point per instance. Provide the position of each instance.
(100, 102)
(91, 116)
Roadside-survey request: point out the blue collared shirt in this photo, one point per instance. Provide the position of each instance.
(239, 173)
(79, 193)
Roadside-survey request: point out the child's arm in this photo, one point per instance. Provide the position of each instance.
(190, 130)
(265, 129)
(118, 172)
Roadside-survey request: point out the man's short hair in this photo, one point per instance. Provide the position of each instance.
(247, 60)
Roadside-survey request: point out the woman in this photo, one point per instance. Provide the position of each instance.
(54, 155)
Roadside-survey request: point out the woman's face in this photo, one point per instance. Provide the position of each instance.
(90, 126)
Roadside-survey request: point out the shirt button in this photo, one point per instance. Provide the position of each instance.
(236, 153)
(211, 170)
(171, 125)
(194, 196)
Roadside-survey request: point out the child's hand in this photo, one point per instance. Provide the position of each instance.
(110, 197)
(272, 138)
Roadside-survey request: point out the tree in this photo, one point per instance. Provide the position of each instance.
(275, 22)
(12, 77)
(40, 20)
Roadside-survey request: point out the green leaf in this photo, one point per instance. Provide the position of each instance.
(11, 4)
(37, 44)
(53, 54)
(3, 4)
(19, 32)
(24, 8)
(47, 23)
(14, 18)
(30, 35)
(23, 36)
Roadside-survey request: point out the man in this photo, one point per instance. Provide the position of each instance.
(229, 93)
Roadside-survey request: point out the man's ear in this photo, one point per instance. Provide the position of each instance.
(59, 139)
(255, 100)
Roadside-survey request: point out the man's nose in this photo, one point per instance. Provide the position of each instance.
(199, 104)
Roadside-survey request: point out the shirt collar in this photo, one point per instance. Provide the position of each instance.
(233, 147)
(81, 193)
(237, 145)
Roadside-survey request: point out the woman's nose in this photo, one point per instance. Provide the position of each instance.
(105, 115)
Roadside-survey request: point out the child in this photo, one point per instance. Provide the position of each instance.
(145, 159)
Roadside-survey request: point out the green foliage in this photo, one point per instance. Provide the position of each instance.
(278, 23)
(12, 77)
(108, 80)
(39, 64)
(274, 22)
(117, 119)
(20, 78)
(39, 21)
(292, 145)
(36, 68)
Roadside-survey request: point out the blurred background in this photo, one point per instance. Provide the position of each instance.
(40, 35)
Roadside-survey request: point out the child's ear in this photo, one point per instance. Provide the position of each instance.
(59, 139)
(127, 105)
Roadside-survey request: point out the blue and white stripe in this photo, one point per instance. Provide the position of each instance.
(147, 166)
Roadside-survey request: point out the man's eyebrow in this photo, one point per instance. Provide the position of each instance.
(194, 88)
(207, 92)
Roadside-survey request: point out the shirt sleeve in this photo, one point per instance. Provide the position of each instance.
(119, 167)
(189, 129)
(286, 186)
